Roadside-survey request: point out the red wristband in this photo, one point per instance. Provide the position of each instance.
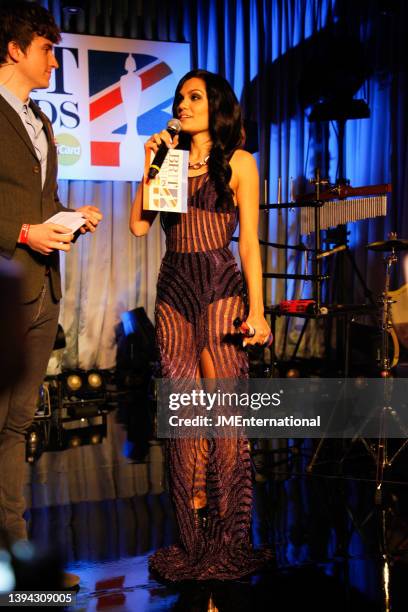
(25, 228)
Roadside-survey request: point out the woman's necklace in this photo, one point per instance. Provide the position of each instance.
(198, 165)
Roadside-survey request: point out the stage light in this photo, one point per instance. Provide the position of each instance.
(74, 382)
(83, 385)
(293, 373)
(95, 380)
(74, 441)
(386, 374)
(95, 439)
(73, 434)
(71, 411)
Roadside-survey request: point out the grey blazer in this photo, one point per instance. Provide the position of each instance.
(24, 200)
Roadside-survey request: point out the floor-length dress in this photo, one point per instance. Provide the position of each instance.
(199, 295)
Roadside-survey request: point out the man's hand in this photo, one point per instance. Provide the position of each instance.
(92, 215)
(47, 237)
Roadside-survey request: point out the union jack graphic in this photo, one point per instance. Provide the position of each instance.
(110, 115)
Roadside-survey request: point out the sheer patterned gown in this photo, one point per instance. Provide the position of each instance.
(199, 295)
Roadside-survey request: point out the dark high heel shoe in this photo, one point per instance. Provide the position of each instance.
(200, 517)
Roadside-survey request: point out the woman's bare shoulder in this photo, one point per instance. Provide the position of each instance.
(242, 156)
(242, 160)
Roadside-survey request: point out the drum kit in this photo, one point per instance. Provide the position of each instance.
(323, 210)
(379, 452)
(391, 247)
(379, 449)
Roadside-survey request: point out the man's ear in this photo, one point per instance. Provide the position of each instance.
(14, 51)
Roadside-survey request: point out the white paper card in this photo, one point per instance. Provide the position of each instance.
(168, 191)
(72, 220)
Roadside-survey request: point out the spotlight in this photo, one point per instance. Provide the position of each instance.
(74, 442)
(71, 412)
(83, 385)
(74, 382)
(95, 439)
(95, 380)
(386, 374)
(75, 433)
(293, 373)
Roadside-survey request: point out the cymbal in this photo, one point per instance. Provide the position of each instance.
(397, 244)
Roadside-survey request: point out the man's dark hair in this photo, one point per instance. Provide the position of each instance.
(21, 21)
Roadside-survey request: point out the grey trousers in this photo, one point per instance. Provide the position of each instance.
(17, 409)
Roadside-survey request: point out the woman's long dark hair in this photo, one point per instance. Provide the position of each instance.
(225, 127)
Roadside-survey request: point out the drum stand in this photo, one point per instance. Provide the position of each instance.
(379, 452)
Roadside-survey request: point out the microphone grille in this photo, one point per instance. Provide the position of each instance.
(174, 125)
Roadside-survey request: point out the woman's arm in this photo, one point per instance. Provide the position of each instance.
(141, 220)
(245, 184)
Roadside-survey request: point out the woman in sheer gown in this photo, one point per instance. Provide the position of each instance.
(200, 293)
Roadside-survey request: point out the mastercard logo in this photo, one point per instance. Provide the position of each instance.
(68, 149)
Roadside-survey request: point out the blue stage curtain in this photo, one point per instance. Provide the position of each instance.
(282, 57)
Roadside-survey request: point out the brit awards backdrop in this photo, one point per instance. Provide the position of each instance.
(107, 96)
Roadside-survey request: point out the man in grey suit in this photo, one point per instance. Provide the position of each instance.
(28, 197)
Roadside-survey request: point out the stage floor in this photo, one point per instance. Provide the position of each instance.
(336, 549)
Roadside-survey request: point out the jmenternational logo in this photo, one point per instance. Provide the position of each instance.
(68, 148)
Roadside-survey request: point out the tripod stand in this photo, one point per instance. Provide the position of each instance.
(380, 454)
(379, 451)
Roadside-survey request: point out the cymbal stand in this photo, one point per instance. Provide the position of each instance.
(386, 322)
(382, 458)
(379, 453)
